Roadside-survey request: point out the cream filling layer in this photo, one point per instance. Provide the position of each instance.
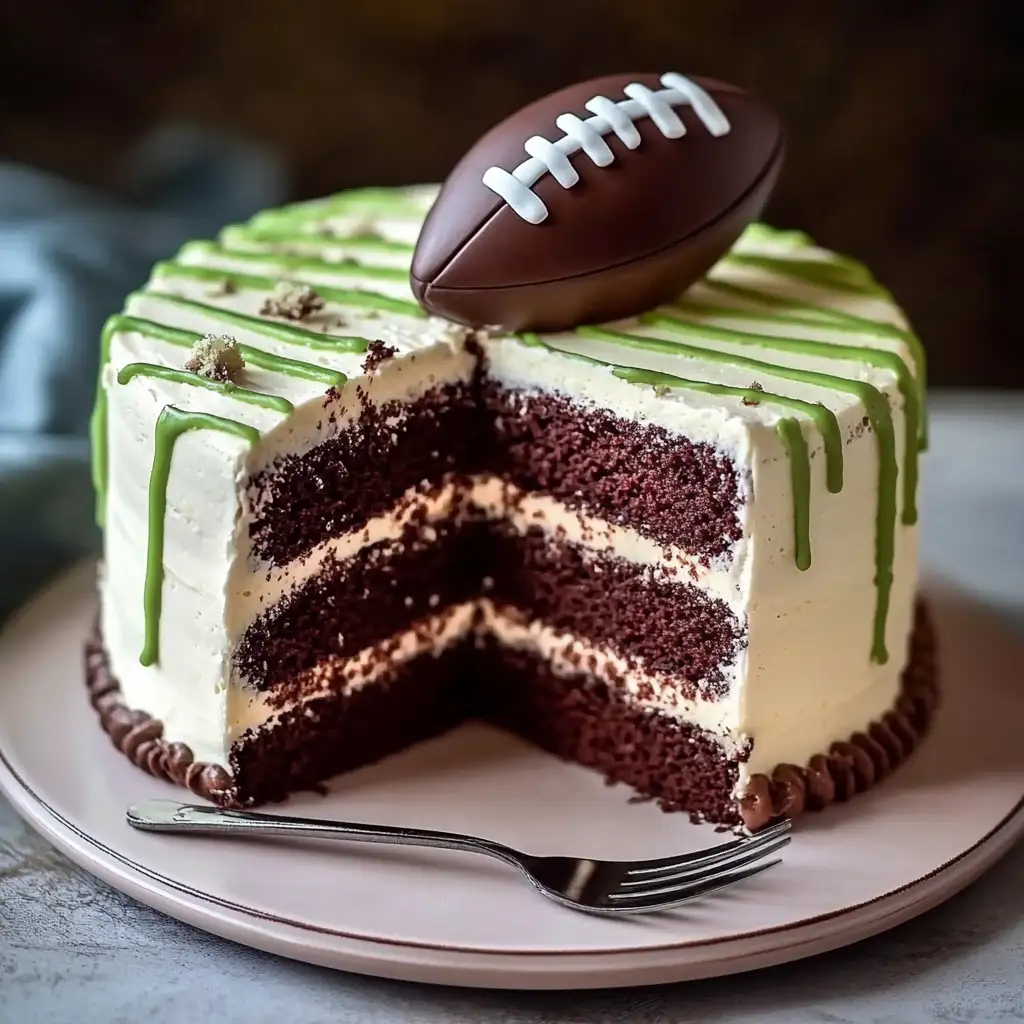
(499, 501)
(253, 710)
(568, 655)
(788, 738)
(565, 653)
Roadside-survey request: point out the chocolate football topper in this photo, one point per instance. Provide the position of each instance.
(597, 202)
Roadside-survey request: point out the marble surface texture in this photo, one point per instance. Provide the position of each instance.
(74, 950)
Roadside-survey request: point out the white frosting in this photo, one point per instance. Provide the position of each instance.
(546, 157)
(805, 677)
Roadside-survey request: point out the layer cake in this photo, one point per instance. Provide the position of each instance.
(678, 547)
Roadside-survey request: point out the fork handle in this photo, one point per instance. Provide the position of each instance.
(170, 816)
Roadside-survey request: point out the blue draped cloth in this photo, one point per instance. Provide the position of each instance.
(68, 257)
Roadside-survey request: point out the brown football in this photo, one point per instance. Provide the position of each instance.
(597, 202)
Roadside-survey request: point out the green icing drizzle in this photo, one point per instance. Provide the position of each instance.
(823, 418)
(837, 272)
(292, 367)
(800, 474)
(881, 420)
(170, 425)
(792, 438)
(827, 350)
(288, 333)
(355, 297)
(351, 267)
(121, 322)
(836, 319)
(240, 234)
(221, 387)
(758, 232)
(374, 202)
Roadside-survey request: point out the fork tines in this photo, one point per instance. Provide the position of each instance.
(660, 884)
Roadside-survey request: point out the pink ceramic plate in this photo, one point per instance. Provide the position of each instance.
(433, 916)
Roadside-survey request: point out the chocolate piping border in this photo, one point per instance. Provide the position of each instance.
(140, 736)
(867, 757)
(850, 766)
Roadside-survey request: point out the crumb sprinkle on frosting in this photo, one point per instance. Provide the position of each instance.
(216, 357)
(376, 353)
(292, 301)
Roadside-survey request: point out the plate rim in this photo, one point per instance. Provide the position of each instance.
(205, 910)
(520, 969)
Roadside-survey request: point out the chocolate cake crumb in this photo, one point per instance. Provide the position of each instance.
(676, 491)
(292, 301)
(216, 357)
(754, 386)
(376, 353)
(582, 720)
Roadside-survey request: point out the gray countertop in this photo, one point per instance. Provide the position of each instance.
(73, 949)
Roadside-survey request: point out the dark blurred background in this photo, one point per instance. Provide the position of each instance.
(905, 120)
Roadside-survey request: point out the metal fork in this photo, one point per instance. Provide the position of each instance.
(593, 886)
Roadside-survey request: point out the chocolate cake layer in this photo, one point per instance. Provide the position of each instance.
(339, 732)
(583, 720)
(363, 600)
(667, 487)
(605, 601)
(617, 605)
(578, 718)
(630, 474)
(302, 500)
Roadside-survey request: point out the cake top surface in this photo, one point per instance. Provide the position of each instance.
(778, 328)
(777, 316)
(779, 335)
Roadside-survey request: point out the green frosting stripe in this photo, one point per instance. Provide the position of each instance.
(837, 273)
(792, 438)
(800, 314)
(281, 237)
(826, 350)
(357, 298)
(121, 322)
(878, 413)
(373, 201)
(292, 367)
(288, 261)
(222, 387)
(815, 315)
(170, 425)
(287, 333)
(758, 233)
(822, 417)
